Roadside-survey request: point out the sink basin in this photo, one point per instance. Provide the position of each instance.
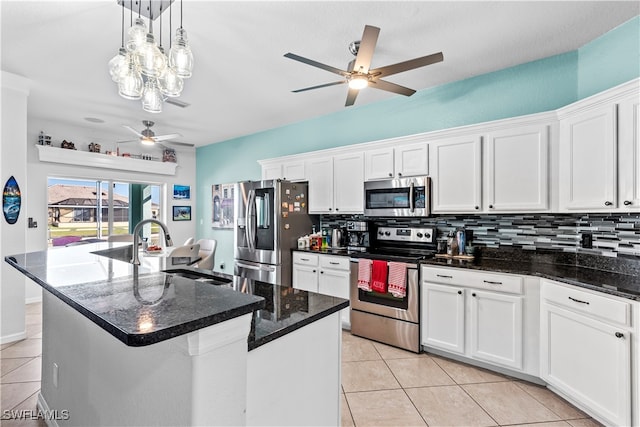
(122, 253)
(199, 276)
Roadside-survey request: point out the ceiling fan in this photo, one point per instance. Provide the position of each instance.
(358, 74)
(148, 137)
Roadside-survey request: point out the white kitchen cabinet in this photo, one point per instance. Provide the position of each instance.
(588, 160)
(336, 184)
(397, 162)
(290, 171)
(585, 350)
(517, 171)
(323, 274)
(629, 153)
(475, 314)
(456, 174)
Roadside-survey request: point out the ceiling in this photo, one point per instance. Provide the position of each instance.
(241, 82)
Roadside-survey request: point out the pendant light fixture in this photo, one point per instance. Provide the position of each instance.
(141, 69)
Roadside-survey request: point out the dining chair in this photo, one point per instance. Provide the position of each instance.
(207, 253)
(185, 251)
(189, 241)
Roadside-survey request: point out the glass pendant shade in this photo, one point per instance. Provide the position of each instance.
(116, 63)
(130, 83)
(170, 83)
(137, 35)
(180, 56)
(149, 58)
(152, 97)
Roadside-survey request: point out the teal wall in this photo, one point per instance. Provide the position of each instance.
(537, 86)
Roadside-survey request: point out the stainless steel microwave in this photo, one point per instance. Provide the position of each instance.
(402, 197)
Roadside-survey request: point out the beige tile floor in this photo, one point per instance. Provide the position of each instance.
(381, 386)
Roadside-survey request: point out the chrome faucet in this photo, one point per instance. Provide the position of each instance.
(136, 237)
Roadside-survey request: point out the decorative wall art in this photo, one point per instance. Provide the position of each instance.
(182, 213)
(11, 201)
(169, 155)
(222, 198)
(182, 192)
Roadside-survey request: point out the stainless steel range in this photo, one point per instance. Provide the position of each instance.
(386, 316)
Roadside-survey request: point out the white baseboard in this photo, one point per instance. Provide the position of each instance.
(13, 337)
(33, 300)
(44, 408)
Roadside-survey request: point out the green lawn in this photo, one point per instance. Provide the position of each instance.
(89, 229)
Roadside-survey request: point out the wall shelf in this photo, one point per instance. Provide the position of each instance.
(99, 160)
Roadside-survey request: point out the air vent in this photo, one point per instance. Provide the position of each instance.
(177, 103)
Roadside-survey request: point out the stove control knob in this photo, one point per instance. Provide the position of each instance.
(386, 233)
(419, 234)
(380, 233)
(427, 235)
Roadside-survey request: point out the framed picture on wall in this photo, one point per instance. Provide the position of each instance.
(182, 213)
(222, 199)
(181, 192)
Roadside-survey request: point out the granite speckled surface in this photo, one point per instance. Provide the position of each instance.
(164, 297)
(608, 275)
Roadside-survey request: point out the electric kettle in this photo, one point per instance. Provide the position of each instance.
(337, 238)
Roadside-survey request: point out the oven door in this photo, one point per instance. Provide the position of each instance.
(387, 305)
(397, 197)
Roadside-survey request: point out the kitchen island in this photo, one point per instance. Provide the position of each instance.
(163, 343)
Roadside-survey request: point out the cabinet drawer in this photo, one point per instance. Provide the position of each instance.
(601, 306)
(305, 258)
(507, 283)
(334, 262)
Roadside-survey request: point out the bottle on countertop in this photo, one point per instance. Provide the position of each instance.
(452, 244)
(461, 239)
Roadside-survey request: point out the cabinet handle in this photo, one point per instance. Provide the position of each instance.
(314, 271)
(321, 272)
(304, 259)
(337, 209)
(608, 203)
(334, 263)
(490, 206)
(399, 174)
(477, 207)
(492, 283)
(577, 300)
(473, 295)
(329, 209)
(446, 277)
(628, 203)
(459, 292)
(619, 335)
(390, 174)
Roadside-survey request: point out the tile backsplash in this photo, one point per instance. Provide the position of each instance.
(612, 234)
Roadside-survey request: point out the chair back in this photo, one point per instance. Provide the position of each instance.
(185, 251)
(189, 241)
(207, 253)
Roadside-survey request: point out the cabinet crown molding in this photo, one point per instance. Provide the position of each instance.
(608, 96)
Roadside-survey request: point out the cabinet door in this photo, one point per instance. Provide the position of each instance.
(629, 154)
(334, 283)
(455, 166)
(412, 160)
(517, 169)
(320, 176)
(588, 360)
(305, 277)
(442, 317)
(496, 328)
(588, 160)
(272, 172)
(378, 164)
(293, 171)
(348, 183)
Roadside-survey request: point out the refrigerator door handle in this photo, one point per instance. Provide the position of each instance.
(255, 267)
(250, 226)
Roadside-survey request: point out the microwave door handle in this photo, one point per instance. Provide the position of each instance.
(411, 196)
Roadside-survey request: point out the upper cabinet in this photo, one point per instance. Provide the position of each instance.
(599, 159)
(455, 165)
(293, 170)
(517, 172)
(336, 184)
(396, 162)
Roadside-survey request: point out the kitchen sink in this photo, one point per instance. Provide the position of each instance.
(198, 275)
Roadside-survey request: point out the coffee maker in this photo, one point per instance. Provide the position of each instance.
(357, 235)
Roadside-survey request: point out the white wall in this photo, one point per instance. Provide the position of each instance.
(12, 236)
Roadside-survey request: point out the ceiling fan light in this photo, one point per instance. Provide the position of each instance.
(180, 55)
(147, 141)
(358, 82)
(137, 35)
(151, 97)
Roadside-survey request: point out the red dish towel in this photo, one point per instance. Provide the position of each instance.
(364, 274)
(379, 276)
(398, 279)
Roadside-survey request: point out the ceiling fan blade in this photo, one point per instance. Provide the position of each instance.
(351, 97)
(133, 130)
(166, 137)
(319, 86)
(407, 65)
(316, 64)
(365, 51)
(129, 140)
(183, 144)
(391, 87)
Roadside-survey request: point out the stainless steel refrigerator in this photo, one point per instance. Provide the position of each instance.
(270, 215)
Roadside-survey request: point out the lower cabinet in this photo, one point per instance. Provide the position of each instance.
(323, 274)
(586, 350)
(473, 321)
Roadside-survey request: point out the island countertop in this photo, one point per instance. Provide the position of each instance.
(162, 298)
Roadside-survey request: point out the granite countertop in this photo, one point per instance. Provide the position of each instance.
(164, 297)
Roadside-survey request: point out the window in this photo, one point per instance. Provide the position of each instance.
(87, 210)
